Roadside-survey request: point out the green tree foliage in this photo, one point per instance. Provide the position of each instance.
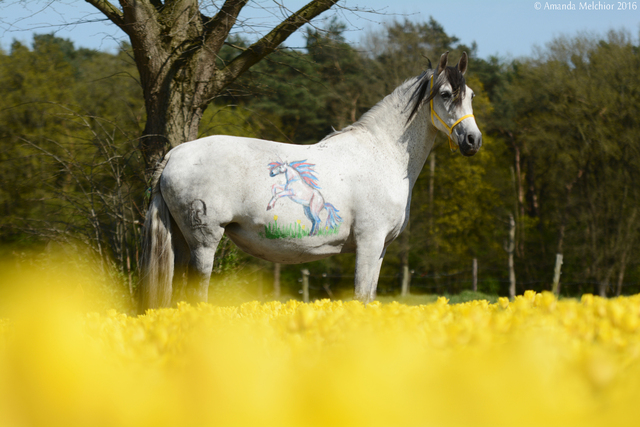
(576, 115)
(559, 155)
(299, 97)
(67, 152)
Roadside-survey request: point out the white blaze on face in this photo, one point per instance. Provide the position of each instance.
(468, 125)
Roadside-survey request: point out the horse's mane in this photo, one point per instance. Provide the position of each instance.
(306, 172)
(304, 169)
(417, 99)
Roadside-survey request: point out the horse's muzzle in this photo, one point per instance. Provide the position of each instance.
(470, 144)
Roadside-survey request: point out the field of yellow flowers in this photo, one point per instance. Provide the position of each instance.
(533, 361)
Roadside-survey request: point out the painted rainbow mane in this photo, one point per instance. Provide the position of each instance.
(304, 169)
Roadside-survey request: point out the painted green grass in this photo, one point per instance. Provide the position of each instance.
(274, 230)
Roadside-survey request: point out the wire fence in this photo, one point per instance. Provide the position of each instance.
(335, 284)
(456, 282)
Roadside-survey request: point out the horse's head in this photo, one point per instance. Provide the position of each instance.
(277, 168)
(450, 108)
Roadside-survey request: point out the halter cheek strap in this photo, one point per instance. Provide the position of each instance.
(452, 145)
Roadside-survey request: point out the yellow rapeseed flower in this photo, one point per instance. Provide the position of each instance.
(535, 360)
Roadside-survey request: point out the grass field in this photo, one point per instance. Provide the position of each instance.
(533, 361)
(421, 299)
(297, 230)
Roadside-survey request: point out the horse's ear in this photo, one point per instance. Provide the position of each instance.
(443, 62)
(464, 61)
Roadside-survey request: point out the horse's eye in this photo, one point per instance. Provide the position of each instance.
(446, 95)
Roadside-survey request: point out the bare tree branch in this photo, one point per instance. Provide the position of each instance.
(219, 26)
(110, 11)
(268, 44)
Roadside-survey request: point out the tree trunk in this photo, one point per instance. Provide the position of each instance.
(519, 189)
(175, 48)
(556, 275)
(623, 266)
(432, 238)
(276, 281)
(512, 277)
(404, 261)
(169, 124)
(625, 251)
(510, 249)
(432, 175)
(327, 286)
(474, 268)
(603, 285)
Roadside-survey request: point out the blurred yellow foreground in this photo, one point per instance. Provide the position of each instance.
(534, 361)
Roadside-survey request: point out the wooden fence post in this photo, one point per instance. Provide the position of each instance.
(556, 275)
(406, 280)
(305, 285)
(475, 275)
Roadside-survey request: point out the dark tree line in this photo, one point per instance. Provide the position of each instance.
(560, 157)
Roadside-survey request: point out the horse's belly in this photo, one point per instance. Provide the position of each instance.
(292, 249)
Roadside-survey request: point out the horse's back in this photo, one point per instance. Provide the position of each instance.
(215, 172)
(219, 150)
(216, 157)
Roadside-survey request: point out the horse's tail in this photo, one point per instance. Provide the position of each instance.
(157, 250)
(333, 219)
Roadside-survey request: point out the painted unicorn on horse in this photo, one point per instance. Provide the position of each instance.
(215, 185)
(302, 187)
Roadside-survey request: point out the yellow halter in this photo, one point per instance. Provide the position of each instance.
(452, 146)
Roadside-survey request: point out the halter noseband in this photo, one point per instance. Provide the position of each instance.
(452, 146)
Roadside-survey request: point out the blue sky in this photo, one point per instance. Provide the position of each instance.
(504, 28)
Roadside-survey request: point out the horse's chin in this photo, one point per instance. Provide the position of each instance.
(468, 152)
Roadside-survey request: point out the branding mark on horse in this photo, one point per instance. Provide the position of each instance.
(197, 210)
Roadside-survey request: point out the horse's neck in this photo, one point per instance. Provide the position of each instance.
(291, 174)
(408, 144)
(420, 136)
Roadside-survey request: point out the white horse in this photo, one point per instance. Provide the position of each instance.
(223, 184)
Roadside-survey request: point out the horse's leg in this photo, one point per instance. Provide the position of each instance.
(317, 222)
(181, 265)
(277, 188)
(316, 204)
(308, 214)
(200, 266)
(369, 255)
(284, 193)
